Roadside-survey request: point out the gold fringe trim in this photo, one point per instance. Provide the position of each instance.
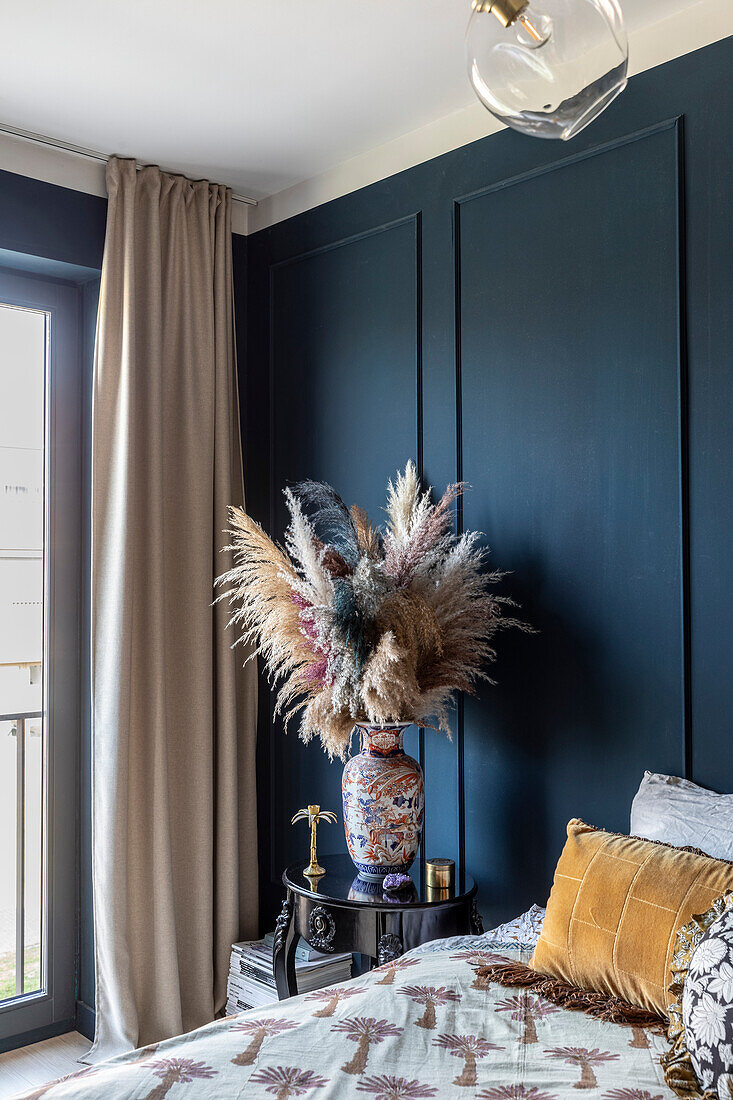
(599, 1005)
(661, 843)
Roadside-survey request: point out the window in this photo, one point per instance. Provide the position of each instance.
(40, 586)
(23, 335)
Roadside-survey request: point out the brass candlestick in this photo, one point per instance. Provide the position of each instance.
(313, 815)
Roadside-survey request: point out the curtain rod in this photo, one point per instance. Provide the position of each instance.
(80, 151)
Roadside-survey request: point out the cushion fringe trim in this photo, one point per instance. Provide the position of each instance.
(601, 1006)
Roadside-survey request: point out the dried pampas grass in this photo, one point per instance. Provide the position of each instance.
(355, 623)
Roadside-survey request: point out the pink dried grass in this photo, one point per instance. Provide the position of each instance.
(402, 562)
(387, 630)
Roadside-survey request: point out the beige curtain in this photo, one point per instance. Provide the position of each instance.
(174, 816)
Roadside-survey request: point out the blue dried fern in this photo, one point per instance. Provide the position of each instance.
(356, 628)
(330, 517)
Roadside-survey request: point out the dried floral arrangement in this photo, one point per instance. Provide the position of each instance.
(360, 623)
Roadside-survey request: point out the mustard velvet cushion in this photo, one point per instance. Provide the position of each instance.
(616, 905)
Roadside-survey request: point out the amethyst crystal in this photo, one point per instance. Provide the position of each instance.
(392, 884)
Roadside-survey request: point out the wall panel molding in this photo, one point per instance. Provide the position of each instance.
(412, 222)
(353, 238)
(507, 308)
(684, 447)
(568, 161)
(674, 124)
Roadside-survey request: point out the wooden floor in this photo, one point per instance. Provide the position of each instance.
(29, 1067)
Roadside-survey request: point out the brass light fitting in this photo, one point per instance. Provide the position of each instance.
(554, 93)
(506, 11)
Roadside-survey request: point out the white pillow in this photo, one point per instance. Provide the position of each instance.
(679, 812)
(522, 932)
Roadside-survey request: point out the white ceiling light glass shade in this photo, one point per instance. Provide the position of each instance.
(547, 67)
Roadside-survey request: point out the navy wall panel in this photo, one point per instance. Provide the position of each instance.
(567, 309)
(345, 357)
(572, 447)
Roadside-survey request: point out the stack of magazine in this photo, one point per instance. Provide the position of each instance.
(252, 981)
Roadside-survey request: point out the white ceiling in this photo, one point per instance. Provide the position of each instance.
(258, 94)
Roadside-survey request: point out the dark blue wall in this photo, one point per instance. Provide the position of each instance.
(552, 323)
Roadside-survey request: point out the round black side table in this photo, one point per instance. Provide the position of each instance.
(340, 912)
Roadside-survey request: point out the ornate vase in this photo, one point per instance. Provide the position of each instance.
(384, 802)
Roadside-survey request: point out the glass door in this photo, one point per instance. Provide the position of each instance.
(23, 338)
(40, 570)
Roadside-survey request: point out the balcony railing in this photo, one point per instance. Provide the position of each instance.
(20, 721)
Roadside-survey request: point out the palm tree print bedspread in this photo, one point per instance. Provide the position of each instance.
(403, 1032)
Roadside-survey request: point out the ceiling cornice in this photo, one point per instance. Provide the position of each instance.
(679, 34)
(695, 27)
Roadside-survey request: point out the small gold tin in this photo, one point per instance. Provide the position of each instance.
(440, 874)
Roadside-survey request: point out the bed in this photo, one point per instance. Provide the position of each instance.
(420, 1027)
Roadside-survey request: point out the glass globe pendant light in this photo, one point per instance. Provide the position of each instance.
(547, 67)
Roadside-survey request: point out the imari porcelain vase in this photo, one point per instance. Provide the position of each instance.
(384, 802)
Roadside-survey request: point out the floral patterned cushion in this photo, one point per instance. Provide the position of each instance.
(700, 1056)
(707, 1008)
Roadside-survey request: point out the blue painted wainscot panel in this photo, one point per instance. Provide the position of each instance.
(553, 323)
(571, 445)
(345, 358)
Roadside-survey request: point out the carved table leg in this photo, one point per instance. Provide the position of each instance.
(477, 925)
(389, 948)
(283, 951)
